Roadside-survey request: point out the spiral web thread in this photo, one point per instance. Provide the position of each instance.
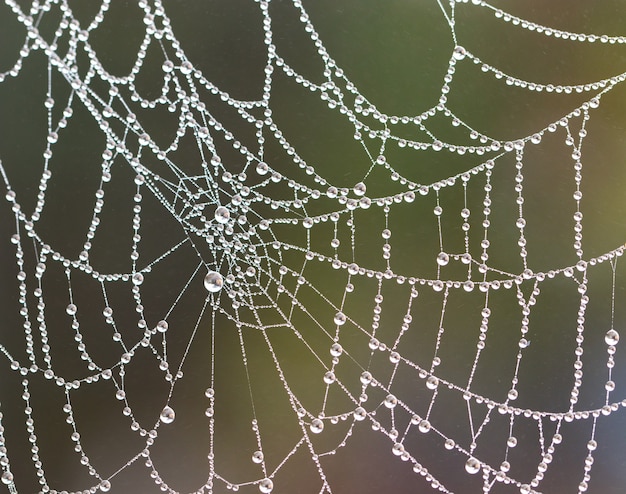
(242, 234)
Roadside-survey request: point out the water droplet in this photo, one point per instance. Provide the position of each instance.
(366, 377)
(340, 319)
(391, 401)
(329, 377)
(317, 426)
(472, 466)
(266, 486)
(336, 350)
(71, 309)
(222, 215)
(424, 426)
(612, 337)
(360, 413)
(186, 67)
(398, 449)
(443, 259)
(432, 382)
(257, 457)
(168, 415)
(353, 268)
(511, 442)
(162, 326)
(105, 486)
(459, 53)
(137, 279)
(7, 477)
(360, 189)
(213, 281)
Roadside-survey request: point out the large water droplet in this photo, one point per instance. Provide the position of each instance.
(168, 415)
(432, 382)
(266, 486)
(612, 337)
(7, 477)
(222, 215)
(360, 413)
(391, 401)
(472, 466)
(340, 318)
(360, 189)
(317, 426)
(336, 350)
(213, 281)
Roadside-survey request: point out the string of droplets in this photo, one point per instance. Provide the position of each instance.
(233, 228)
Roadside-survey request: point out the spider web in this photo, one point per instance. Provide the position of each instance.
(279, 285)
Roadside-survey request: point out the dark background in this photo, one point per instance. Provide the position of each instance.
(396, 52)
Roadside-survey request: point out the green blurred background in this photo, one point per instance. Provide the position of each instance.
(396, 52)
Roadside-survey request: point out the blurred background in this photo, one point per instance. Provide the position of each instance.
(396, 52)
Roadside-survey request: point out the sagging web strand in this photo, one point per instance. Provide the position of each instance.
(226, 212)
